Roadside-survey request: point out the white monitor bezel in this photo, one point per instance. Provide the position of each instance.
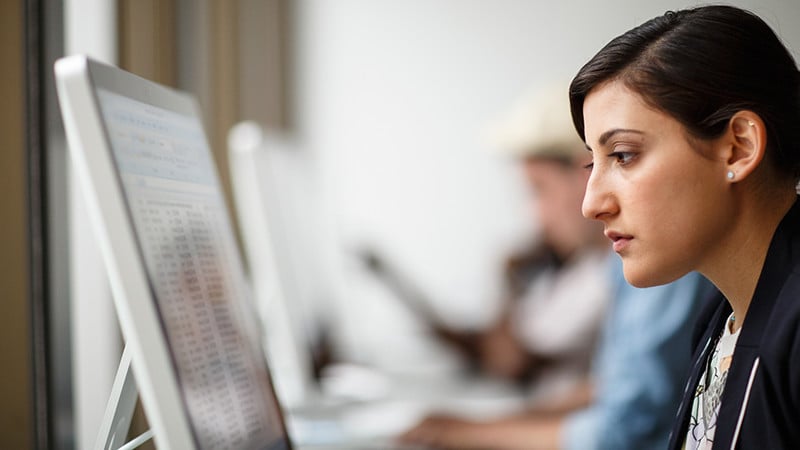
(77, 79)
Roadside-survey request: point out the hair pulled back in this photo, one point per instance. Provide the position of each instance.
(701, 66)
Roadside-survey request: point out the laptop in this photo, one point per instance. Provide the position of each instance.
(143, 162)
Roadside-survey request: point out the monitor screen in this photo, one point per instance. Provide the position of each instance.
(195, 275)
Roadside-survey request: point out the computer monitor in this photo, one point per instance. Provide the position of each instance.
(278, 220)
(143, 161)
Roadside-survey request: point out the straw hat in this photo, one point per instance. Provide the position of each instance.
(539, 125)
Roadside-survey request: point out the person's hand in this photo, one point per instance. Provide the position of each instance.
(501, 352)
(525, 432)
(446, 432)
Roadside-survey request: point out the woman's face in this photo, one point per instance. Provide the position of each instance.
(661, 197)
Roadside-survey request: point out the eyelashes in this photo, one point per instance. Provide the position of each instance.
(621, 158)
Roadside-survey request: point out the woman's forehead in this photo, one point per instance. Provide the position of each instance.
(612, 106)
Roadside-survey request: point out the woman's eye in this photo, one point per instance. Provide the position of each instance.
(589, 166)
(623, 158)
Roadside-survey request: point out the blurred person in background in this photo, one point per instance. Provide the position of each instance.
(565, 295)
(557, 288)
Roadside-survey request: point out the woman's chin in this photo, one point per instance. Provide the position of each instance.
(643, 277)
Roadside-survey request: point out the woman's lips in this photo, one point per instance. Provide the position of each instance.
(621, 241)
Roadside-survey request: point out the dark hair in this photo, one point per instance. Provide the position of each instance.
(701, 66)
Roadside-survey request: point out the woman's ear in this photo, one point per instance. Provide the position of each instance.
(745, 142)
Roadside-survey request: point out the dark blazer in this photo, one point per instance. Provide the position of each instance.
(760, 406)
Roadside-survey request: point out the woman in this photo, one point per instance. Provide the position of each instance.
(693, 121)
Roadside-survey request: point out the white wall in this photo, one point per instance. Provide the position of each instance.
(392, 98)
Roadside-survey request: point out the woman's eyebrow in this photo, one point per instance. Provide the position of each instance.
(610, 133)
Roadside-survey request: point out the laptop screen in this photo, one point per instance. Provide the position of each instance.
(186, 241)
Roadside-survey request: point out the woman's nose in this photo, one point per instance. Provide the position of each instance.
(597, 201)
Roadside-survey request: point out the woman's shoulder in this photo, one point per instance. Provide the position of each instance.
(782, 331)
(779, 349)
(781, 279)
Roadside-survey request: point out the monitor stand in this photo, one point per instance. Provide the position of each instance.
(119, 411)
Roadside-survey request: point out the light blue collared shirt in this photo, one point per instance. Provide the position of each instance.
(641, 366)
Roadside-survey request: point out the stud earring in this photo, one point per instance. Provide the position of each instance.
(751, 123)
(730, 174)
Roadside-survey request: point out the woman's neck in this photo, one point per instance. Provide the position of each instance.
(736, 267)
